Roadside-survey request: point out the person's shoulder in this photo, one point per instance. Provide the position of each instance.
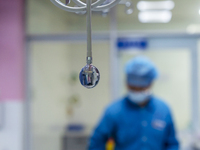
(162, 109)
(160, 104)
(115, 107)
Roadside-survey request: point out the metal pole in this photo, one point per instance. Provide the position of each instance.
(195, 88)
(27, 102)
(114, 77)
(2, 114)
(89, 33)
(27, 143)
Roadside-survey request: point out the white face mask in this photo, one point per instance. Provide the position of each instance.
(139, 97)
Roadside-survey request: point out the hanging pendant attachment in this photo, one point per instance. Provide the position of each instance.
(89, 75)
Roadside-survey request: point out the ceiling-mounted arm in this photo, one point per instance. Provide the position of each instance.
(89, 75)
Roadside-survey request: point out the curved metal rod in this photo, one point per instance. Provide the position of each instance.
(62, 6)
(79, 3)
(106, 6)
(95, 4)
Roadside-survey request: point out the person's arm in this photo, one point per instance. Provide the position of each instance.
(171, 142)
(102, 133)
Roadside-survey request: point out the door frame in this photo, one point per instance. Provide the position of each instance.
(176, 42)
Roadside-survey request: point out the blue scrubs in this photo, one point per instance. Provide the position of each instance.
(136, 128)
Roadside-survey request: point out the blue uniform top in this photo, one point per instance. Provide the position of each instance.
(136, 128)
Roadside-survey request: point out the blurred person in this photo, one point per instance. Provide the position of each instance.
(139, 121)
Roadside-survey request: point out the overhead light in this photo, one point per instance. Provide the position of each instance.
(155, 16)
(193, 28)
(199, 11)
(155, 5)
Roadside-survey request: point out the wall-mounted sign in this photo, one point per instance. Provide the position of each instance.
(131, 43)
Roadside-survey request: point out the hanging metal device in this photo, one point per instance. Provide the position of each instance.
(89, 75)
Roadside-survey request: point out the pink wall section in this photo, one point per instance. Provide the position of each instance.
(11, 50)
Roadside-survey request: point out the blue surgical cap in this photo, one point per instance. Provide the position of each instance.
(140, 71)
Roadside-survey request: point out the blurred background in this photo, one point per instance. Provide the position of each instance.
(43, 106)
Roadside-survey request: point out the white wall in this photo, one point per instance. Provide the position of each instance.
(52, 65)
(11, 133)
